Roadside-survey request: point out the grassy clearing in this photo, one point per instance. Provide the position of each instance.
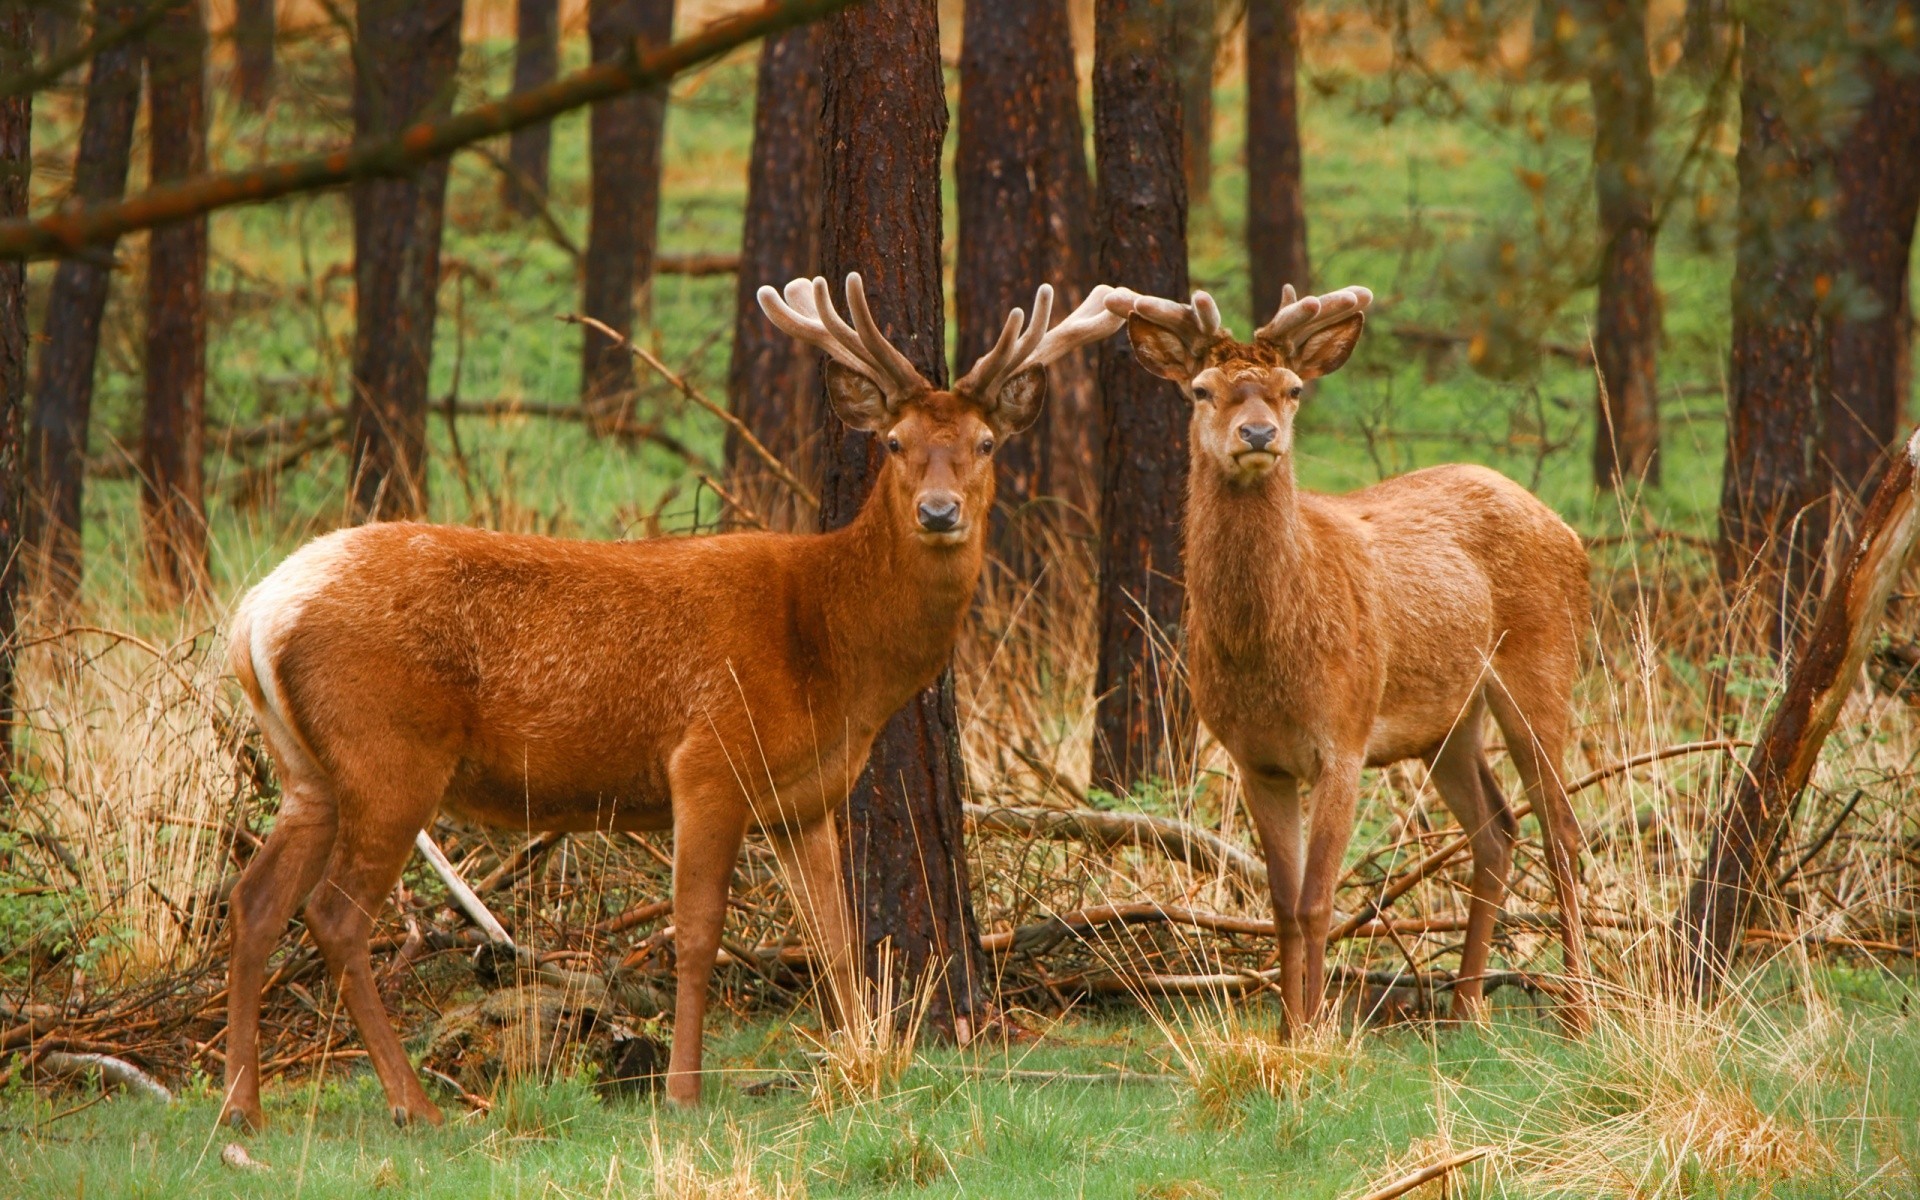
(1793, 1098)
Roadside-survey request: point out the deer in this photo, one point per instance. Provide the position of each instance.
(702, 685)
(1329, 633)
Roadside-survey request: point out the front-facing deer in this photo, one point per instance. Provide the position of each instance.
(703, 685)
(1330, 633)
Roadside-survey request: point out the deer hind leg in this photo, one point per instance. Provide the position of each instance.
(1329, 830)
(1273, 801)
(271, 887)
(810, 858)
(1534, 713)
(1461, 774)
(367, 858)
(709, 823)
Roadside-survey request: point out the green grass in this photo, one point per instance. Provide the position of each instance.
(960, 1125)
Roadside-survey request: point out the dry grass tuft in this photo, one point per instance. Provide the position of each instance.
(864, 1059)
(678, 1173)
(1229, 1058)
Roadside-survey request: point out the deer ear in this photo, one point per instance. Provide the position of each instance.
(1326, 351)
(1019, 401)
(856, 399)
(1159, 349)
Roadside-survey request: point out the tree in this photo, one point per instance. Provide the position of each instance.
(1276, 206)
(1021, 169)
(1705, 37)
(253, 31)
(884, 117)
(409, 52)
(771, 385)
(536, 61)
(1870, 341)
(1143, 725)
(16, 162)
(63, 391)
(1626, 332)
(624, 145)
(172, 505)
(1196, 47)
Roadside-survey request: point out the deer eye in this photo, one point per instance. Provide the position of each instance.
(1200, 393)
(893, 443)
(986, 446)
(1295, 392)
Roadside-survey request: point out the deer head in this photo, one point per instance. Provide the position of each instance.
(1244, 394)
(939, 468)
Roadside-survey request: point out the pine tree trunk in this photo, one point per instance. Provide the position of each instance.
(1878, 177)
(1022, 184)
(884, 117)
(16, 164)
(172, 505)
(624, 145)
(63, 392)
(1626, 335)
(253, 32)
(771, 382)
(1706, 37)
(1196, 47)
(1143, 726)
(536, 60)
(410, 50)
(1276, 207)
(1773, 512)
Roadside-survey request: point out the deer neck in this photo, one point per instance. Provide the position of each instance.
(892, 606)
(1247, 556)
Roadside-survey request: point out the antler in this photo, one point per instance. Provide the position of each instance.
(807, 313)
(1032, 344)
(1300, 317)
(1197, 324)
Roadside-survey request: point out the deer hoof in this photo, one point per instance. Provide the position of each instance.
(243, 1119)
(422, 1112)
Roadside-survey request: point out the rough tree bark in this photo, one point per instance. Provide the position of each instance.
(1022, 190)
(624, 145)
(16, 164)
(1626, 333)
(1276, 207)
(536, 61)
(1196, 47)
(771, 384)
(1143, 724)
(409, 52)
(173, 431)
(1870, 342)
(1705, 36)
(253, 31)
(63, 392)
(884, 117)
(1774, 486)
(1747, 831)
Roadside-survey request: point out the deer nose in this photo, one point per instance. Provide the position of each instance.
(1258, 436)
(940, 515)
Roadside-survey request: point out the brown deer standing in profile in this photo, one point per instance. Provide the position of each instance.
(703, 685)
(1330, 633)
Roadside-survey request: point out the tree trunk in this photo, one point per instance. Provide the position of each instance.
(411, 51)
(63, 394)
(536, 61)
(1022, 188)
(172, 505)
(1196, 47)
(1143, 726)
(253, 31)
(624, 145)
(1878, 177)
(16, 164)
(771, 384)
(54, 25)
(1706, 37)
(1747, 831)
(1774, 485)
(883, 119)
(1276, 207)
(1626, 334)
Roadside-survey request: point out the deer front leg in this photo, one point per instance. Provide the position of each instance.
(709, 823)
(1330, 828)
(810, 858)
(1274, 803)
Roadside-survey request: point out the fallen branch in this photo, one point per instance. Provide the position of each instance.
(1427, 1174)
(519, 863)
(463, 895)
(1179, 841)
(68, 231)
(639, 914)
(116, 1071)
(1237, 982)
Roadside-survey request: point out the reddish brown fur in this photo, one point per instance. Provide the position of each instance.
(700, 684)
(1329, 633)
